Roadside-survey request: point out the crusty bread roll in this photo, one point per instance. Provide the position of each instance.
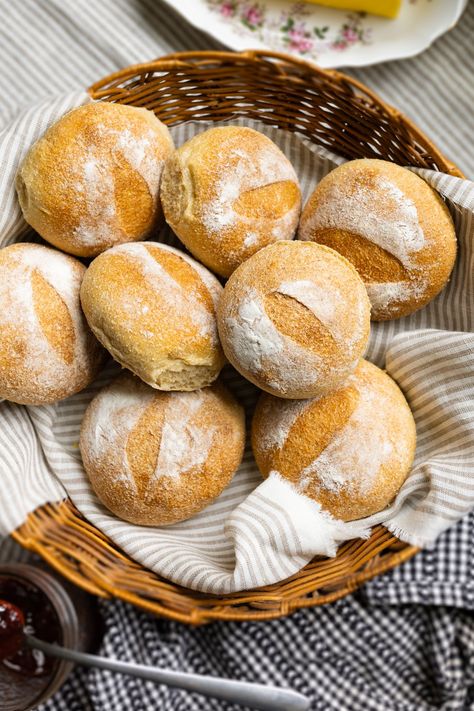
(154, 458)
(227, 193)
(391, 225)
(47, 352)
(351, 451)
(153, 308)
(92, 180)
(294, 319)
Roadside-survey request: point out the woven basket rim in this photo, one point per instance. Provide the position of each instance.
(39, 534)
(181, 59)
(84, 555)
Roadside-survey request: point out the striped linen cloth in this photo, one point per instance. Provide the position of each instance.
(259, 533)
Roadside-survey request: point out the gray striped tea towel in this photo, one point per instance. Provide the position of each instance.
(247, 538)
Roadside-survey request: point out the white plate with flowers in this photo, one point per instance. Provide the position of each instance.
(329, 37)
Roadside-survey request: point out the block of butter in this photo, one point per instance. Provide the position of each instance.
(386, 8)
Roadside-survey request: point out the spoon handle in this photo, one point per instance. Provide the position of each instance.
(257, 696)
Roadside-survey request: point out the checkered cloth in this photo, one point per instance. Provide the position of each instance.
(348, 656)
(370, 651)
(405, 642)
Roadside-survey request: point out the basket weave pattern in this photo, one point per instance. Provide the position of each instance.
(334, 111)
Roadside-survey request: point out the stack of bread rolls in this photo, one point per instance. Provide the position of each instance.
(162, 441)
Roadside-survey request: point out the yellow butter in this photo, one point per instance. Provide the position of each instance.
(386, 8)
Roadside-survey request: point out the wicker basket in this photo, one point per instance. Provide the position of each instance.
(334, 111)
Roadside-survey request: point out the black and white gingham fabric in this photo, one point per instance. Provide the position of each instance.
(353, 655)
(347, 656)
(406, 641)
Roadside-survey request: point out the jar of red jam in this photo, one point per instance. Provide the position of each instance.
(53, 611)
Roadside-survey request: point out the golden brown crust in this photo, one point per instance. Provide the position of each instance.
(294, 319)
(92, 180)
(227, 193)
(47, 351)
(315, 428)
(155, 458)
(54, 318)
(351, 450)
(391, 225)
(153, 308)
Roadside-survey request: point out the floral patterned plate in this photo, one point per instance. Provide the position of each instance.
(331, 38)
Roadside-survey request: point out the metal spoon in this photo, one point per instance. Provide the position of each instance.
(257, 696)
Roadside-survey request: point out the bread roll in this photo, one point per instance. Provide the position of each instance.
(155, 458)
(294, 319)
(351, 451)
(47, 352)
(153, 308)
(391, 225)
(92, 180)
(227, 193)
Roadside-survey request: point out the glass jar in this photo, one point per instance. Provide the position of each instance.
(57, 612)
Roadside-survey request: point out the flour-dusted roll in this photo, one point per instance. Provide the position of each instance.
(391, 225)
(294, 319)
(92, 180)
(351, 451)
(153, 308)
(227, 193)
(154, 458)
(47, 351)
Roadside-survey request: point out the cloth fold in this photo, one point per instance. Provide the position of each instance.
(258, 532)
